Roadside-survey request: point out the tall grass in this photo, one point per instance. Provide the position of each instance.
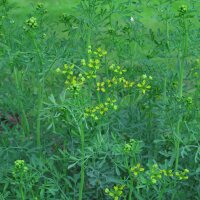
(99, 100)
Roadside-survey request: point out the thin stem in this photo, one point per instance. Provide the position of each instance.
(38, 120)
(40, 96)
(180, 92)
(25, 123)
(167, 32)
(82, 137)
(82, 163)
(21, 189)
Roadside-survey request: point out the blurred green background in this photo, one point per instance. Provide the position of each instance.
(58, 7)
(55, 8)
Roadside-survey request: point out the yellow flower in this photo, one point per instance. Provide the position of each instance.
(58, 70)
(137, 169)
(143, 86)
(65, 66)
(100, 87)
(144, 76)
(83, 62)
(104, 53)
(115, 107)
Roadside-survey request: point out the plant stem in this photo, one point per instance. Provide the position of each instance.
(25, 123)
(21, 189)
(167, 32)
(40, 96)
(131, 178)
(38, 121)
(82, 163)
(180, 92)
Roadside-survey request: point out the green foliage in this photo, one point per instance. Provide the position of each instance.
(101, 102)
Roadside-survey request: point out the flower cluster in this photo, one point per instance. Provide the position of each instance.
(118, 77)
(101, 86)
(137, 169)
(67, 69)
(182, 175)
(32, 22)
(167, 172)
(101, 109)
(117, 69)
(90, 75)
(40, 8)
(155, 174)
(182, 10)
(98, 52)
(93, 64)
(128, 147)
(151, 176)
(116, 192)
(144, 84)
(111, 82)
(73, 81)
(20, 168)
(128, 84)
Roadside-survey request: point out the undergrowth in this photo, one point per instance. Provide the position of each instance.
(97, 104)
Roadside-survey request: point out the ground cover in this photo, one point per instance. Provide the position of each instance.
(99, 100)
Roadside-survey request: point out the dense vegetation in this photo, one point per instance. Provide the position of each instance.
(101, 101)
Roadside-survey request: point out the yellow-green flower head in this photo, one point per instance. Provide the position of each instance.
(101, 87)
(107, 190)
(114, 81)
(155, 173)
(90, 75)
(58, 70)
(83, 62)
(117, 69)
(137, 169)
(19, 163)
(183, 9)
(116, 192)
(99, 49)
(167, 172)
(99, 52)
(104, 53)
(144, 86)
(20, 168)
(112, 67)
(89, 49)
(128, 84)
(32, 22)
(96, 61)
(101, 109)
(39, 5)
(127, 148)
(144, 76)
(186, 171)
(182, 175)
(66, 66)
